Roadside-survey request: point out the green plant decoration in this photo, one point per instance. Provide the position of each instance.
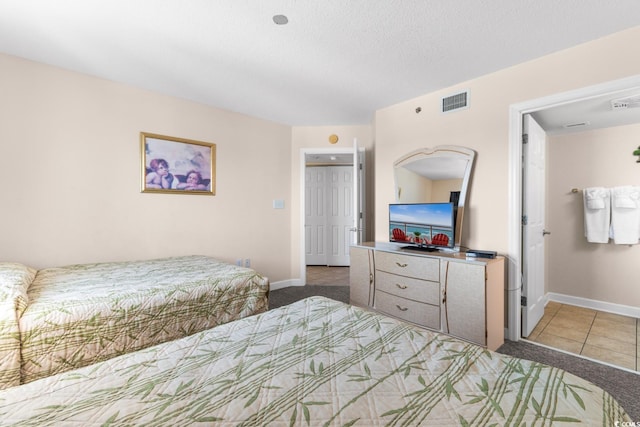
(637, 153)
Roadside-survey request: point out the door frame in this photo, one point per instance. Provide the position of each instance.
(303, 169)
(516, 112)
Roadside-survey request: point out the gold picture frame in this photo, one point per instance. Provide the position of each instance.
(177, 165)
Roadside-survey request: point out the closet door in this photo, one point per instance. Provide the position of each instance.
(339, 214)
(315, 218)
(329, 214)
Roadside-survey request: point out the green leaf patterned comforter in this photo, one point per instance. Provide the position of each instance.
(316, 362)
(81, 314)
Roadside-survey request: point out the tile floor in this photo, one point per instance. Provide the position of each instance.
(323, 275)
(607, 337)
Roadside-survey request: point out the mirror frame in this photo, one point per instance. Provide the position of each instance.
(447, 151)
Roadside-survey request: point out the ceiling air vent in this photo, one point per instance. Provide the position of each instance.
(459, 101)
(624, 103)
(575, 125)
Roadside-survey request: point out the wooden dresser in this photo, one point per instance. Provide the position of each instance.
(446, 292)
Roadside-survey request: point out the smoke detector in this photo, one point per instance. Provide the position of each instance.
(624, 103)
(280, 19)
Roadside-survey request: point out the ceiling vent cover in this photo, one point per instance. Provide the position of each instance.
(458, 101)
(624, 103)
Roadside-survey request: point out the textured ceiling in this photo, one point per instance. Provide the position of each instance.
(335, 63)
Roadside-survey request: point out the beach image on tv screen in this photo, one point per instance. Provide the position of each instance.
(419, 223)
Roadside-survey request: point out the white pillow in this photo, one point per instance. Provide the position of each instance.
(15, 280)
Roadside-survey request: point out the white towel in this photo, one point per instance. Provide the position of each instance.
(625, 215)
(597, 214)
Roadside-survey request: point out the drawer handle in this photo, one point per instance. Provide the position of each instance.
(401, 264)
(402, 308)
(401, 286)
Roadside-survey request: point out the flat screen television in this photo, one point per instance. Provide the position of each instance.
(429, 226)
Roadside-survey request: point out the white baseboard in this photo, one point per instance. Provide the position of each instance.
(623, 310)
(285, 284)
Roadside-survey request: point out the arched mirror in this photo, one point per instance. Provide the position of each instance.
(436, 175)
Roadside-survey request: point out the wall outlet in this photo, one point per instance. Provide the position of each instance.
(247, 263)
(239, 262)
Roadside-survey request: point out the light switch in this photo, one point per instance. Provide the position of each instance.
(278, 204)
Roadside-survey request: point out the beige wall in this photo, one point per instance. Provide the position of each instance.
(70, 168)
(70, 159)
(414, 188)
(484, 126)
(443, 188)
(599, 158)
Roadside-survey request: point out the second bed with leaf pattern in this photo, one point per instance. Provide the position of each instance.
(56, 319)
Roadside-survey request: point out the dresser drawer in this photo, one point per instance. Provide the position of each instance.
(407, 265)
(408, 287)
(412, 311)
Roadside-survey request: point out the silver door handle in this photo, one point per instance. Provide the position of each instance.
(545, 232)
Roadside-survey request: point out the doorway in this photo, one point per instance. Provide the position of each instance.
(588, 328)
(517, 255)
(315, 157)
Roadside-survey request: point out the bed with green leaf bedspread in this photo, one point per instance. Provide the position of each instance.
(58, 319)
(316, 362)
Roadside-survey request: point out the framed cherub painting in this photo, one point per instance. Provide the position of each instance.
(177, 165)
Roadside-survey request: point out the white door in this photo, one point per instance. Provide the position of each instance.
(329, 215)
(340, 215)
(315, 219)
(533, 209)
